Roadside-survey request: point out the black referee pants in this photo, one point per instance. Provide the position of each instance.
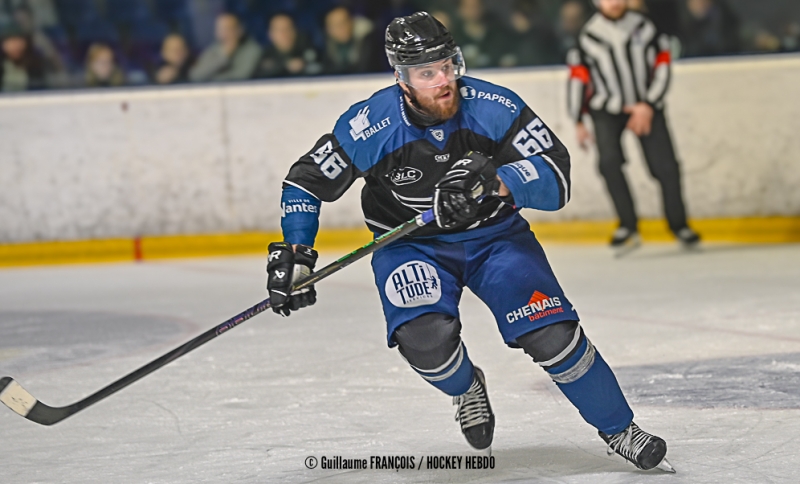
(661, 161)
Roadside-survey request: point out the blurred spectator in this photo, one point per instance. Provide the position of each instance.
(290, 53)
(383, 12)
(482, 39)
(43, 11)
(346, 51)
(443, 17)
(101, 67)
(175, 61)
(535, 42)
(766, 41)
(638, 6)
(571, 18)
(54, 65)
(21, 69)
(790, 37)
(233, 56)
(709, 27)
(202, 14)
(491, 33)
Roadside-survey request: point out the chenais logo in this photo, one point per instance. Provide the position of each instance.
(538, 307)
(405, 175)
(413, 284)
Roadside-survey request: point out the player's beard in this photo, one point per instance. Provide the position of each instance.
(439, 110)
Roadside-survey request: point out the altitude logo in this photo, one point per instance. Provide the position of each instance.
(413, 284)
(538, 307)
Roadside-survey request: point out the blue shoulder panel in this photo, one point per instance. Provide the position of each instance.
(492, 109)
(366, 131)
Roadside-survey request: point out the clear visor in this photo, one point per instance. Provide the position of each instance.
(433, 74)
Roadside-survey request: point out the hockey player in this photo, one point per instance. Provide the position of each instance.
(477, 154)
(620, 73)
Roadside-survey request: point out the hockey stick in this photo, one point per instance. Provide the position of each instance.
(23, 403)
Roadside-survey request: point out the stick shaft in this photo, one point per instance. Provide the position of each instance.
(46, 415)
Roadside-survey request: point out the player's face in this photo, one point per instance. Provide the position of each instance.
(435, 88)
(613, 9)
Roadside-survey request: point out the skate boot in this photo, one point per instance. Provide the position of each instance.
(625, 241)
(475, 414)
(645, 451)
(688, 238)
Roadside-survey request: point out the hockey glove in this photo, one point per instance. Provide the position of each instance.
(285, 267)
(459, 192)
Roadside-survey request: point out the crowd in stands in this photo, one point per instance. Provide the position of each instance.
(101, 43)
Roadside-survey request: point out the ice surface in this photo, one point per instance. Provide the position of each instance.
(706, 346)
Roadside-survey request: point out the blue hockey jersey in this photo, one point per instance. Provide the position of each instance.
(402, 162)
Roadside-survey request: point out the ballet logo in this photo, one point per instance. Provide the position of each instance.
(413, 284)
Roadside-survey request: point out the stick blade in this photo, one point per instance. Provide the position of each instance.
(26, 405)
(15, 397)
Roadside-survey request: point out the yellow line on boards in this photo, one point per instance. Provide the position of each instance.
(753, 230)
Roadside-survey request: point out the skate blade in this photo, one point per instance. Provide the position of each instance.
(666, 466)
(487, 452)
(626, 249)
(695, 247)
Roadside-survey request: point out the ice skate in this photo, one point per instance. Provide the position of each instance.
(688, 238)
(643, 450)
(624, 241)
(475, 415)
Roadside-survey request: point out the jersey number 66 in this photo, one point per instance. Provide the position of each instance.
(533, 139)
(330, 163)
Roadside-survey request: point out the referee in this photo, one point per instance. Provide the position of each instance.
(619, 74)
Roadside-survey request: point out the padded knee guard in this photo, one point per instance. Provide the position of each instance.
(430, 340)
(553, 346)
(432, 346)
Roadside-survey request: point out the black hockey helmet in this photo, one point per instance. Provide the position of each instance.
(420, 39)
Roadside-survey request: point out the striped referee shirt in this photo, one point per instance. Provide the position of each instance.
(618, 63)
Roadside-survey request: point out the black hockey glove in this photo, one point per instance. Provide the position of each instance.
(459, 192)
(285, 267)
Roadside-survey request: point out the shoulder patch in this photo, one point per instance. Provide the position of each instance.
(492, 108)
(489, 92)
(361, 128)
(365, 130)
